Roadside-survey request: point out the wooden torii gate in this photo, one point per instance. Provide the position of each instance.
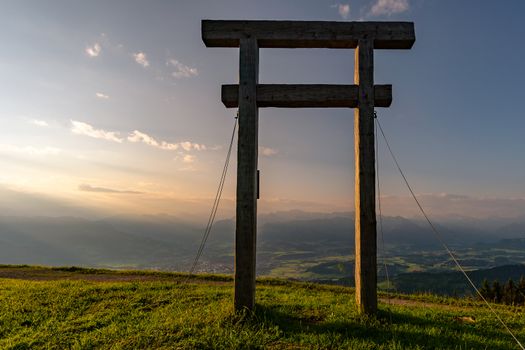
(248, 96)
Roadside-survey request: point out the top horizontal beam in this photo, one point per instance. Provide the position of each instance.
(309, 34)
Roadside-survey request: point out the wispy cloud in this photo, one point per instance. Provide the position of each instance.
(93, 50)
(141, 58)
(267, 151)
(30, 150)
(101, 95)
(38, 122)
(188, 146)
(137, 136)
(85, 129)
(181, 70)
(389, 7)
(89, 188)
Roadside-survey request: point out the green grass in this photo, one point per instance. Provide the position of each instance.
(170, 314)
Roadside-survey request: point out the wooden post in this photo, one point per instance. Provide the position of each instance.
(246, 221)
(365, 215)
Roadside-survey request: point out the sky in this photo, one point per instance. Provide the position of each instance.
(114, 107)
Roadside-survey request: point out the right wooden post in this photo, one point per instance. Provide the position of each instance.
(365, 214)
(246, 213)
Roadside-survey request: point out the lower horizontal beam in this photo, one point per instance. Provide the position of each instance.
(317, 95)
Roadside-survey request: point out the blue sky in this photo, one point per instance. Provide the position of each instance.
(116, 105)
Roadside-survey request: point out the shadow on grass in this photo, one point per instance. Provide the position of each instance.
(406, 331)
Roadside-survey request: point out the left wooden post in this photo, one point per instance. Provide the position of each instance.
(246, 212)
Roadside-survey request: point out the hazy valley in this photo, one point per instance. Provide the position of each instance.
(294, 244)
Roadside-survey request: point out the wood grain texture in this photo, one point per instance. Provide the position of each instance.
(365, 213)
(246, 211)
(309, 34)
(300, 96)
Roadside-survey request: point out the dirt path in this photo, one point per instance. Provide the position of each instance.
(424, 304)
(405, 302)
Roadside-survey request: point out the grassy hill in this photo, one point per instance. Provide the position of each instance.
(73, 308)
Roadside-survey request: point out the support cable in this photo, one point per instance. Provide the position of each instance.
(380, 212)
(381, 232)
(215, 206)
(440, 238)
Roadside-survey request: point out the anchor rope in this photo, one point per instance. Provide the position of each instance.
(215, 206)
(440, 238)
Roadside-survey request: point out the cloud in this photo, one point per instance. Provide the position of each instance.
(37, 122)
(389, 7)
(94, 50)
(102, 96)
(188, 158)
(85, 129)
(181, 70)
(344, 10)
(267, 151)
(89, 188)
(137, 136)
(188, 146)
(140, 58)
(30, 150)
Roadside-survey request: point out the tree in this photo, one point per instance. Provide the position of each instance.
(497, 291)
(486, 291)
(509, 292)
(520, 291)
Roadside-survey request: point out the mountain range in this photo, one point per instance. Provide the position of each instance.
(168, 242)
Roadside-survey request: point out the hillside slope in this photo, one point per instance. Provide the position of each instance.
(58, 308)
